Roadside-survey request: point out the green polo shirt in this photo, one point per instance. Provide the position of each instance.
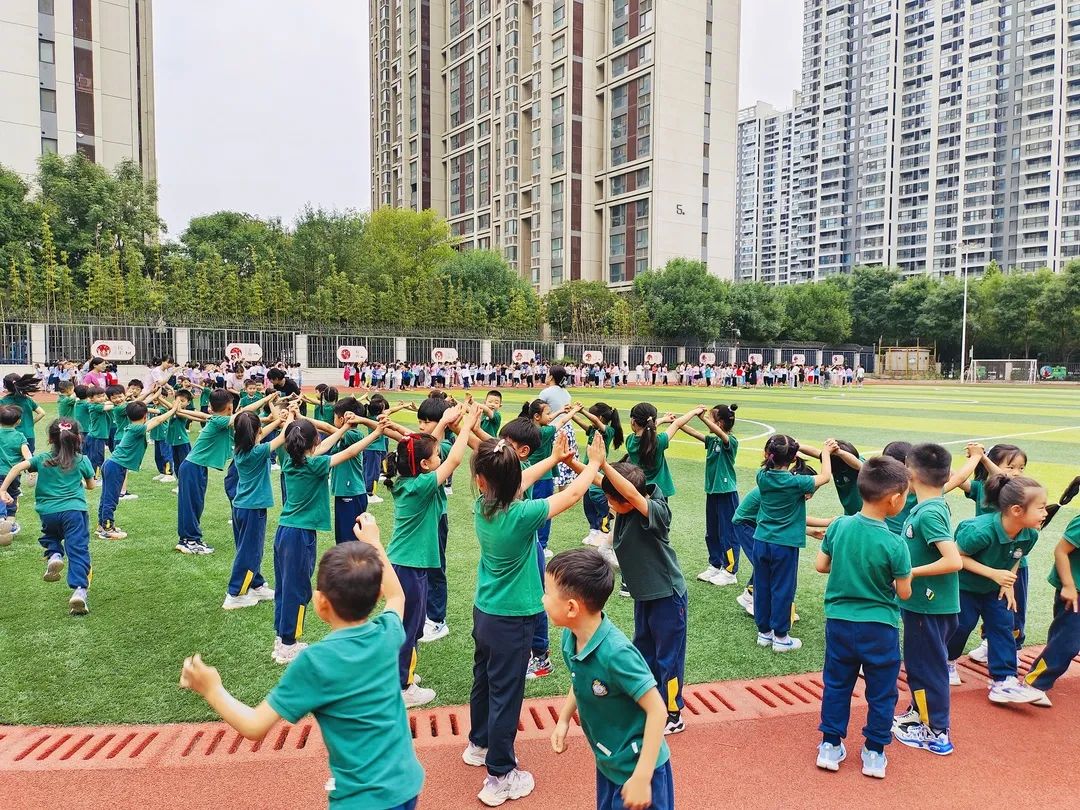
(866, 558)
(29, 407)
(381, 444)
(204, 396)
(253, 490)
(491, 424)
(720, 465)
(99, 420)
(81, 412)
(307, 503)
(930, 523)
(782, 514)
(11, 445)
(609, 676)
(507, 580)
(659, 473)
(746, 514)
(246, 400)
(609, 437)
(646, 557)
(60, 490)
(129, 453)
(213, 447)
(977, 493)
(896, 522)
(984, 539)
(161, 432)
(547, 442)
(1072, 537)
(120, 420)
(347, 479)
(417, 509)
(324, 412)
(362, 717)
(178, 431)
(847, 490)
(65, 407)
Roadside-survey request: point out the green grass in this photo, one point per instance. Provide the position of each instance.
(152, 606)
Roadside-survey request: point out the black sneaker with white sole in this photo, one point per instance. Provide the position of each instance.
(189, 546)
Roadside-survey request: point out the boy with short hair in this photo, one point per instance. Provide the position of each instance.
(868, 568)
(348, 681)
(612, 689)
(491, 420)
(13, 449)
(96, 432)
(930, 615)
(65, 403)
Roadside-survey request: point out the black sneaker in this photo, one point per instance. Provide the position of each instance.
(189, 546)
(674, 724)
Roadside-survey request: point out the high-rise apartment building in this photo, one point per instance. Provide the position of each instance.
(77, 76)
(934, 136)
(583, 140)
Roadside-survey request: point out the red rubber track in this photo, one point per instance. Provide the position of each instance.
(747, 743)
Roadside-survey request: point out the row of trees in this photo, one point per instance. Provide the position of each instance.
(86, 242)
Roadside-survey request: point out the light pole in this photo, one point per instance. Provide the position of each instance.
(963, 328)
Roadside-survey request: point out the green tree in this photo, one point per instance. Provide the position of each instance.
(401, 249)
(578, 309)
(240, 240)
(20, 218)
(940, 316)
(1058, 306)
(756, 311)
(684, 300)
(820, 311)
(871, 297)
(481, 287)
(319, 234)
(899, 313)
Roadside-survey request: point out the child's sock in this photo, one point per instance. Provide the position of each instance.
(832, 739)
(877, 748)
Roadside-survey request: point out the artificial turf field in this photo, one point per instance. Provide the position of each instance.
(151, 606)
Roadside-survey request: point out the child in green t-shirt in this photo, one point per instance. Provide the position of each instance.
(647, 448)
(604, 419)
(612, 689)
(65, 402)
(868, 567)
(346, 681)
(13, 449)
(1063, 638)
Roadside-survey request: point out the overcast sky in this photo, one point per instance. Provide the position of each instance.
(262, 104)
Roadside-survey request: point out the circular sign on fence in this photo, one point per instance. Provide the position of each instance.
(654, 358)
(248, 352)
(798, 359)
(444, 355)
(524, 355)
(755, 358)
(707, 358)
(838, 359)
(113, 349)
(592, 357)
(352, 354)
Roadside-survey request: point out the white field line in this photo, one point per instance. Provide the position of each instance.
(1014, 435)
(769, 431)
(913, 400)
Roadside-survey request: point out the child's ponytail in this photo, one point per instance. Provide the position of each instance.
(644, 416)
(725, 416)
(24, 384)
(1002, 492)
(246, 428)
(500, 467)
(66, 441)
(610, 417)
(300, 438)
(780, 451)
(411, 450)
(844, 473)
(533, 409)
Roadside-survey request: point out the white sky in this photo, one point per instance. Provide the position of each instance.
(262, 104)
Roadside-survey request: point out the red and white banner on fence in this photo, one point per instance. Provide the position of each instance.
(114, 350)
(592, 357)
(654, 358)
(755, 358)
(707, 358)
(838, 359)
(444, 355)
(351, 354)
(248, 352)
(524, 355)
(798, 359)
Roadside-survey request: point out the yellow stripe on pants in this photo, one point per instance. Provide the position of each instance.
(250, 575)
(1036, 671)
(300, 621)
(919, 696)
(672, 692)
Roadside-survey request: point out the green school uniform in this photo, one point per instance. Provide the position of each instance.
(65, 407)
(324, 412)
(12, 441)
(307, 504)
(213, 447)
(609, 676)
(1072, 537)
(161, 432)
(896, 522)
(659, 473)
(246, 400)
(984, 539)
(866, 558)
(29, 407)
(547, 441)
(178, 431)
(347, 480)
(746, 513)
(129, 453)
(930, 523)
(507, 580)
(649, 565)
(782, 514)
(977, 493)
(99, 420)
(720, 465)
(382, 444)
(120, 421)
(253, 490)
(491, 424)
(204, 396)
(362, 719)
(60, 490)
(847, 490)
(417, 509)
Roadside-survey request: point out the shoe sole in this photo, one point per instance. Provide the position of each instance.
(532, 676)
(681, 728)
(418, 705)
(474, 763)
(763, 643)
(53, 571)
(702, 578)
(920, 747)
(200, 553)
(514, 795)
(829, 765)
(874, 774)
(77, 607)
(238, 607)
(1007, 701)
(776, 649)
(426, 640)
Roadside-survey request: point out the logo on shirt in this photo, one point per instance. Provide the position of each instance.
(599, 688)
(910, 532)
(1018, 553)
(930, 594)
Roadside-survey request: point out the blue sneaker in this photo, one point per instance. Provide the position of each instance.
(873, 763)
(830, 756)
(921, 736)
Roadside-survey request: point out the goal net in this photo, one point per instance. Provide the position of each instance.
(1004, 371)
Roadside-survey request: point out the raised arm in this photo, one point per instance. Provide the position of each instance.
(961, 479)
(327, 444)
(163, 417)
(681, 421)
(560, 452)
(825, 476)
(251, 722)
(712, 425)
(568, 413)
(457, 452)
(366, 530)
(627, 490)
(561, 501)
(353, 450)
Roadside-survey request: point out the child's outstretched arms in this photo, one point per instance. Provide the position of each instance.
(366, 530)
(561, 501)
(253, 723)
(679, 422)
(961, 478)
(825, 476)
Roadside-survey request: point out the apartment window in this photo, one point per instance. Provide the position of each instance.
(48, 100)
(558, 14)
(45, 7)
(558, 46)
(47, 51)
(49, 146)
(558, 76)
(616, 272)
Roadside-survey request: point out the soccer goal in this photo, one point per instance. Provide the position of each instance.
(1004, 371)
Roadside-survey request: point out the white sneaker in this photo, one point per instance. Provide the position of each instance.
(765, 639)
(286, 653)
(449, 491)
(592, 538)
(159, 476)
(724, 578)
(708, 574)
(374, 499)
(1011, 690)
(1043, 700)
(417, 696)
(498, 790)
(168, 479)
(608, 553)
(274, 467)
(129, 496)
(981, 653)
(263, 593)
(176, 491)
(474, 755)
(433, 631)
(954, 674)
(245, 600)
(53, 568)
(548, 553)
(784, 644)
(746, 601)
(830, 756)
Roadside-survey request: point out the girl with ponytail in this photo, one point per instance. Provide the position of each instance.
(18, 392)
(647, 448)
(601, 419)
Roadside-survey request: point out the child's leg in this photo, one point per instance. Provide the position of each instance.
(785, 576)
(52, 534)
(112, 481)
(728, 503)
(249, 534)
(479, 696)
(966, 621)
(592, 513)
(159, 458)
(609, 794)
(540, 641)
(839, 677)
(180, 452)
(1020, 591)
(192, 499)
(232, 481)
(346, 511)
(713, 516)
(879, 653)
(998, 626)
(763, 586)
(926, 660)
(544, 489)
(372, 468)
(294, 563)
(414, 583)
(437, 591)
(508, 639)
(76, 529)
(1062, 646)
(666, 619)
